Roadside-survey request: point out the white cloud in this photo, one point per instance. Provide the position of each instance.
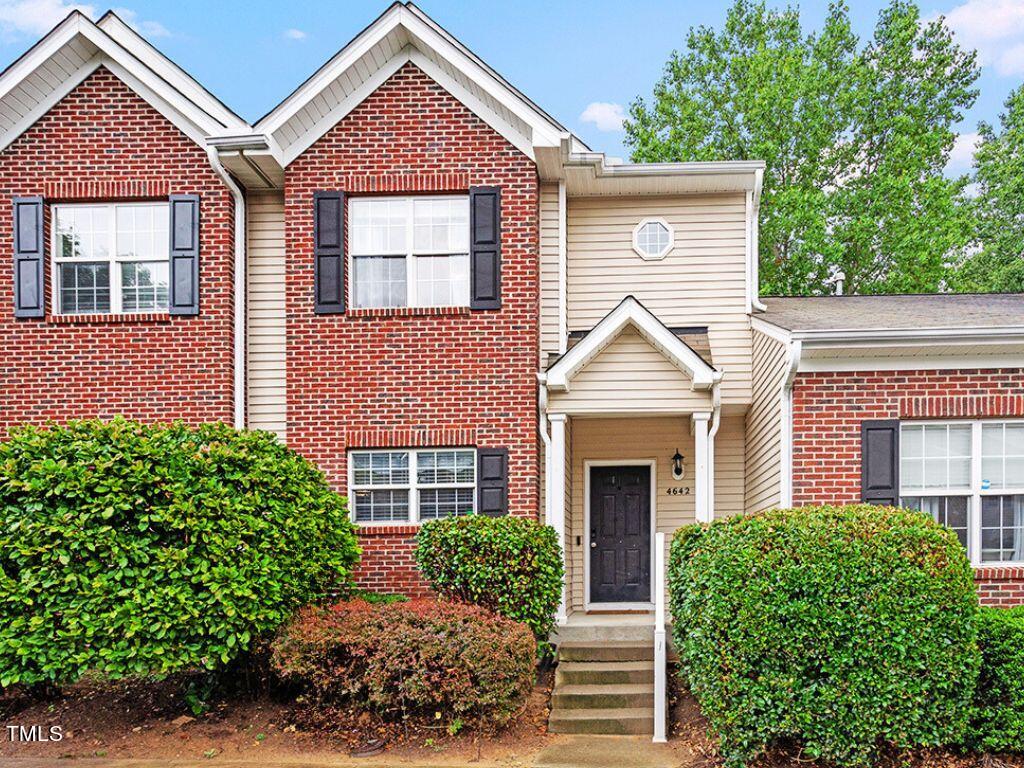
(962, 155)
(31, 18)
(145, 27)
(294, 34)
(605, 115)
(36, 17)
(995, 28)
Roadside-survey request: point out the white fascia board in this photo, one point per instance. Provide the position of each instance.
(330, 72)
(948, 361)
(912, 336)
(631, 312)
(141, 49)
(338, 113)
(48, 103)
(599, 162)
(58, 37)
(544, 133)
(195, 132)
(523, 143)
(153, 82)
(768, 329)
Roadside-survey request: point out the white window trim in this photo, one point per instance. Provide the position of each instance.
(410, 254)
(665, 251)
(113, 260)
(975, 493)
(413, 487)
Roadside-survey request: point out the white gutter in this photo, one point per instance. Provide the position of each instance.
(755, 235)
(786, 416)
(716, 422)
(240, 285)
(545, 437)
(960, 333)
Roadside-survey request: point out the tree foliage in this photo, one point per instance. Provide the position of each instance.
(129, 549)
(855, 138)
(996, 262)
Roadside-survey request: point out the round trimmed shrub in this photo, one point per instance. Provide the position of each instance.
(997, 722)
(421, 657)
(132, 549)
(846, 628)
(510, 565)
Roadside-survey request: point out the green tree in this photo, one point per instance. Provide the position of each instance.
(996, 261)
(855, 138)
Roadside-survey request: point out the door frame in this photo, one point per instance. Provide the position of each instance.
(587, 465)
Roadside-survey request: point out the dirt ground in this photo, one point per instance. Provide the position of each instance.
(152, 720)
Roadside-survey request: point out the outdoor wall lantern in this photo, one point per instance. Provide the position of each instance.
(677, 465)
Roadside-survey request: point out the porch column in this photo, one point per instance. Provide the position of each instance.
(556, 514)
(700, 466)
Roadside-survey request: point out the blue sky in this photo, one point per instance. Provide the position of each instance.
(567, 56)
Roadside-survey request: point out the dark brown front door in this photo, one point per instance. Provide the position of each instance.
(620, 534)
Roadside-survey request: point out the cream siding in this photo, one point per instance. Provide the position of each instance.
(265, 368)
(730, 466)
(764, 425)
(701, 282)
(629, 376)
(549, 226)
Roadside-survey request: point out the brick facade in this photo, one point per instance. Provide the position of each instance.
(102, 142)
(452, 377)
(828, 409)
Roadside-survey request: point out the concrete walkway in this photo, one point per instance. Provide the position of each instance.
(566, 752)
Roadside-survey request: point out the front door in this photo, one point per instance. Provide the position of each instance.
(620, 534)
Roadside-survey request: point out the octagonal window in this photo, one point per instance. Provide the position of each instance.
(652, 238)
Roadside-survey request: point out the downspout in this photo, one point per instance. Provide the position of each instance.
(786, 416)
(755, 234)
(563, 314)
(240, 285)
(716, 422)
(545, 438)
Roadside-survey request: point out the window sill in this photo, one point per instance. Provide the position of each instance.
(386, 529)
(999, 571)
(407, 311)
(131, 318)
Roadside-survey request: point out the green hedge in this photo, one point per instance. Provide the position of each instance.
(510, 565)
(846, 628)
(997, 724)
(424, 658)
(130, 549)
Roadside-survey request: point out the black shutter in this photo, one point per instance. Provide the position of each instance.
(328, 252)
(28, 257)
(485, 247)
(184, 282)
(492, 481)
(880, 462)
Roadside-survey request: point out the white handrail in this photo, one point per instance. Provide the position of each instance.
(660, 682)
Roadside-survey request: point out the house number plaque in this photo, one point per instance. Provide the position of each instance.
(678, 490)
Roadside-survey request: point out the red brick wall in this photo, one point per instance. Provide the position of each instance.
(441, 378)
(102, 142)
(828, 409)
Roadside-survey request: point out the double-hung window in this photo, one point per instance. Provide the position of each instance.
(411, 485)
(110, 258)
(969, 476)
(409, 251)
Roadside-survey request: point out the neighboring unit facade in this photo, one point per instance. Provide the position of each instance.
(422, 282)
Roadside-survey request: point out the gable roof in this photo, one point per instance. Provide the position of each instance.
(76, 48)
(630, 312)
(403, 33)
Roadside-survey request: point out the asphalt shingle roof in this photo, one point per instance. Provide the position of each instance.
(855, 313)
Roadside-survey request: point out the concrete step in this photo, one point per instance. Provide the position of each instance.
(624, 721)
(592, 633)
(607, 651)
(616, 696)
(603, 672)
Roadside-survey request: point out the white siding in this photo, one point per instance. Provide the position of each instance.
(629, 376)
(764, 425)
(701, 282)
(266, 314)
